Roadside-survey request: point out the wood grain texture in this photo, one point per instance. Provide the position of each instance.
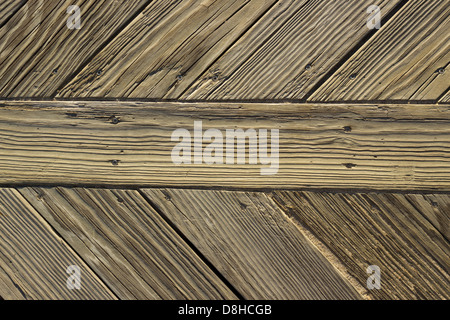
(165, 48)
(39, 52)
(401, 61)
(8, 8)
(436, 208)
(321, 146)
(34, 259)
(127, 244)
(445, 97)
(249, 240)
(377, 229)
(288, 51)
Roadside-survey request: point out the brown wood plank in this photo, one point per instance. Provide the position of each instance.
(288, 51)
(377, 229)
(39, 52)
(401, 61)
(436, 208)
(165, 48)
(34, 259)
(8, 8)
(253, 244)
(127, 244)
(320, 146)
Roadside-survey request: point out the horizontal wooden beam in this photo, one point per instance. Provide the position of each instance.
(341, 146)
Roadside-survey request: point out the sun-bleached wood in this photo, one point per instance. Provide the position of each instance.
(127, 243)
(401, 61)
(165, 48)
(288, 51)
(321, 145)
(34, 259)
(253, 244)
(379, 229)
(39, 53)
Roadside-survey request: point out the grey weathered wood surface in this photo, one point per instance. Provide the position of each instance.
(34, 259)
(330, 145)
(271, 60)
(401, 61)
(127, 244)
(165, 48)
(253, 244)
(38, 53)
(377, 229)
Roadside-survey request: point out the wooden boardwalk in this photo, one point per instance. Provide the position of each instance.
(212, 149)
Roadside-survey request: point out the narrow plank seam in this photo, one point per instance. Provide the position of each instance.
(244, 101)
(191, 245)
(68, 245)
(371, 34)
(426, 218)
(229, 47)
(125, 24)
(222, 188)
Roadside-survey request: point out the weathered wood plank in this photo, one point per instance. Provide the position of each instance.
(127, 244)
(287, 52)
(253, 244)
(446, 97)
(39, 52)
(377, 229)
(436, 208)
(320, 146)
(14, 292)
(8, 8)
(165, 48)
(401, 62)
(34, 259)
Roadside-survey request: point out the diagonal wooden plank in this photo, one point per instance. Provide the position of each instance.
(445, 97)
(10, 289)
(320, 146)
(401, 62)
(436, 208)
(377, 229)
(165, 48)
(8, 8)
(39, 52)
(249, 240)
(35, 259)
(127, 244)
(288, 51)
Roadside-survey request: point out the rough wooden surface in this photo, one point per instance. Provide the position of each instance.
(332, 146)
(377, 229)
(165, 48)
(127, 244)
(39, 53)
(253, 244)
(401, 62)
(436, 208)
(288, 51)
(8, 8)
(34, 259)
(445, 97)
